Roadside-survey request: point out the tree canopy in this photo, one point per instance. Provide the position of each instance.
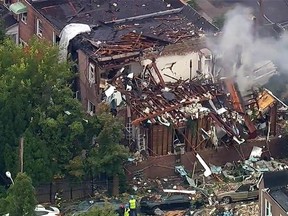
(37, 103)
(21, 197)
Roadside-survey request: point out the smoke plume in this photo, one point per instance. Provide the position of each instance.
(242, 52)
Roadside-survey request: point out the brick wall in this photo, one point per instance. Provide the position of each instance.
(163, 166)
(88, 92)
(28, 30)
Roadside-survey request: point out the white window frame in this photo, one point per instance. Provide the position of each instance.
(91, 108)
(91, 73)
(39, 28)
(7, 3)
(77, 95)
(22, 42)
(54, 38)
(24, 17)
(268, 208)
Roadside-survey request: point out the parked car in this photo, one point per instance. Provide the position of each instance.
(171, 202)
(86, 205)
(242, 193)
(41, 210)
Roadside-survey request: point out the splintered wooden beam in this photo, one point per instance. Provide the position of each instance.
(154, 66)
(150, 116)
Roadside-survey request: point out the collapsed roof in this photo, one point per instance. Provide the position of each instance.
(133, 36)
(153, 101)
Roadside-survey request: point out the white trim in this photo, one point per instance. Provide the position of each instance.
(54, 38)
(7, 4)
(24, 18)
(39, 27)
(91, 73)
(268, 208)
(22, 42)
(91, 108)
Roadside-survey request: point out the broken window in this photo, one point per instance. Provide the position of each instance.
(179, 136)
(39, 28)
(91, 73)
(24, 17)
(55, 39)
(91, 108)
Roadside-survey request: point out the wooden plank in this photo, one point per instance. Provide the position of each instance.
(151, 141)
(165, 141)
(159, 139)
(171, 138)
(194, 133)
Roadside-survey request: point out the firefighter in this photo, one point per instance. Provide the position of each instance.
(58, 200)
(132, 206)
(127, 210)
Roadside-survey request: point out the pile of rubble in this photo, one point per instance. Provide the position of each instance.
(249, 209)
(144, 186)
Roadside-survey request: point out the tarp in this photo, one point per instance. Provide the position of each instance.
(68, 33)
(18, 8)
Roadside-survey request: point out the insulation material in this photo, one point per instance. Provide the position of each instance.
(208, 171)
(265, 100)
(255, 153)
(68, 33)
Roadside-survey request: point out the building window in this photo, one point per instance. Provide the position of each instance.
(91, 108)
(24, 18)
(91, 73)
(39, 28)
(13, 37)
(268, 208)
(22, 42)
(7, 2)
(55, 39)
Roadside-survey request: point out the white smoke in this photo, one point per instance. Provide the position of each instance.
(239, 36)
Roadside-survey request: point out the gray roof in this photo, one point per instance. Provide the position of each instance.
(63, 12)
(281, 197)
(6, 17)
(275, 179)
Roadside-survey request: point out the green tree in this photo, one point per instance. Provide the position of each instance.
(36, 102)
(21, 197)
(107, 155)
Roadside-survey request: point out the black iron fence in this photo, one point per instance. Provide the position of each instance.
(70, 190)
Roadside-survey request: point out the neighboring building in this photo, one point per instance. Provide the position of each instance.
(9, 22)
(273, 193)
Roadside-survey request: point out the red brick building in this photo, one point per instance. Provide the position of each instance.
(273, 193)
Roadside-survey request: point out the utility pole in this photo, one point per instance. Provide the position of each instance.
(21, 154)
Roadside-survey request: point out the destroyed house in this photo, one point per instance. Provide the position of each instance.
(188, 115)
(155, 70)
(108, 45)
(126, 45)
